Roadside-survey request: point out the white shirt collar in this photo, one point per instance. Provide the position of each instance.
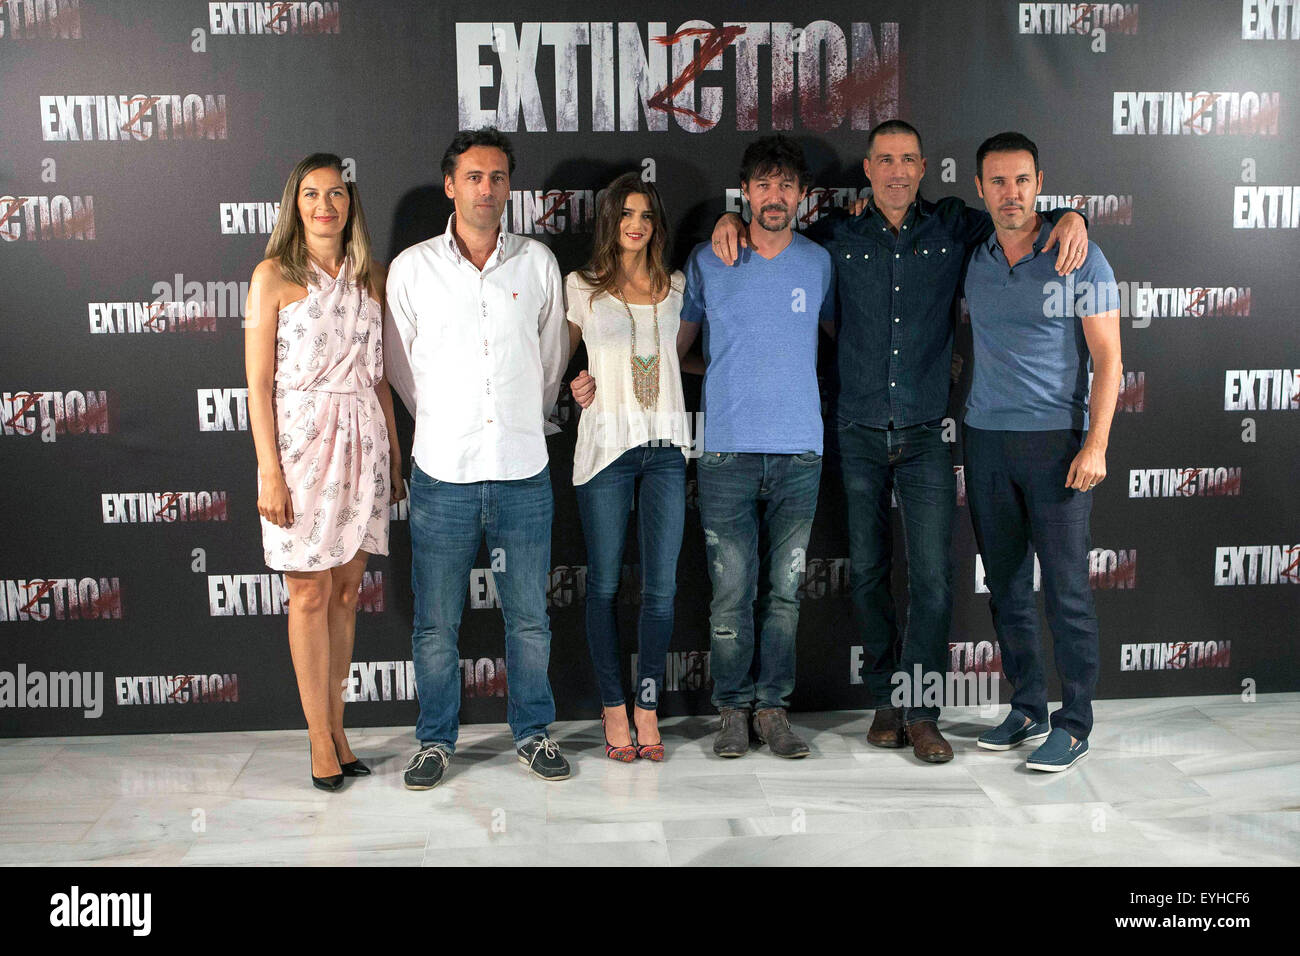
(454, 246)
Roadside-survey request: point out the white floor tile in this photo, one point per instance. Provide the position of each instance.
(1189, 781)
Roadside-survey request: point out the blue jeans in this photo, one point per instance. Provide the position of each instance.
(916, 465)
(731, 487)
(604, 503)
(448, 522)
(1019, 504)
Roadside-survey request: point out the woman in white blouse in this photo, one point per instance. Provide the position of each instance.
(625, 306)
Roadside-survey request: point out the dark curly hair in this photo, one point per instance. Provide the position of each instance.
(773, 154)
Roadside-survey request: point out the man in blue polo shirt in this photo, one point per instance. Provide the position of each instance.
(1030, 470)
(762, 443)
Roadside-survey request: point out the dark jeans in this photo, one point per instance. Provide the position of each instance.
(732, 485)
(1015, 483)
(448, 522)
(605, 502)
(916, 465)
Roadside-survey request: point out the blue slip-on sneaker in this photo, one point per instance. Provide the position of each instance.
(1013, 732)
(1057, 753)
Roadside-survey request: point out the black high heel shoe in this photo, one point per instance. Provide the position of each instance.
(330, 783)
(354, 769)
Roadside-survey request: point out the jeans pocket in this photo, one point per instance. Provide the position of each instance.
(712, 459)
(932, 431)
(808, 457)
(419, 477)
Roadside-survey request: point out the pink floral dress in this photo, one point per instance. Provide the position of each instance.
(329, 426)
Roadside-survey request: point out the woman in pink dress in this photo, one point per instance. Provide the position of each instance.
(321, 414)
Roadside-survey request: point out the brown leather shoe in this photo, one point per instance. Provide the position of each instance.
(887, 728)
(927, 743)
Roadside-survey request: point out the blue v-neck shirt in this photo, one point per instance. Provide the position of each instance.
(760, 324)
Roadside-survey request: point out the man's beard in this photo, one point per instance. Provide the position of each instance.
(762, 218)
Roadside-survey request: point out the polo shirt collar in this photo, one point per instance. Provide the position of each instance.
(1044, 230)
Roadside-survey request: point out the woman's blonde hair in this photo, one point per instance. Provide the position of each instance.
(288, 240)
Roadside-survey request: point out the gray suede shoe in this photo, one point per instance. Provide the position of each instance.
(772, 726)
(733, 738)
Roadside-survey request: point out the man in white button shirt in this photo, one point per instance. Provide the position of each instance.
(476, 345)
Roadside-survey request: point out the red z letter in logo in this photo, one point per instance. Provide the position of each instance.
(14, 205)
(29, 399)
(559, 204)
(38, 590)
(715, 41)
(146, 103)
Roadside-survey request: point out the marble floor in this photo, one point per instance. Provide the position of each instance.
(1197, 781)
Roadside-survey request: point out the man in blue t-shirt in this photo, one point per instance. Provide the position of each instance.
(1030, 470)
(762, 443)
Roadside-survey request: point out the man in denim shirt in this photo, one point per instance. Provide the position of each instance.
(898, 266)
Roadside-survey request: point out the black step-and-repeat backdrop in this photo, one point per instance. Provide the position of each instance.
(145, 146)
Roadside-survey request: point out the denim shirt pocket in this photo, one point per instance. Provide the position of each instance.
(853, 254)
(937, 256)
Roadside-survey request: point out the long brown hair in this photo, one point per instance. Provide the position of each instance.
(605, 265)
(288, 239)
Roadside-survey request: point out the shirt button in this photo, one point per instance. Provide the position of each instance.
(904, 227)
(944, 249)
(925, 252)
(866, 255)
(897, 256)
(892, 384)
(896, 288)
(895, 318)
(895, 351)
(489, 421)
(848, 255)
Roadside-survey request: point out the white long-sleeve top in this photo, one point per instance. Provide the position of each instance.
(477, 356)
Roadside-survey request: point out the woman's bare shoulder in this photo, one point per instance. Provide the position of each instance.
(268, 274)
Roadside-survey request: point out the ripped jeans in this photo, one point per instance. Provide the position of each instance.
(753, 557)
